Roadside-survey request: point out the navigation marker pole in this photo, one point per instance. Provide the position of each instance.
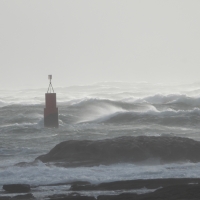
(50, 111)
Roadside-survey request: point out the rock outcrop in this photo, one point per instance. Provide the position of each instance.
(135, 184)
(18, 197)
(25, 197)
(16, 188)
(182, 192)
(125, 149)
(174, 192)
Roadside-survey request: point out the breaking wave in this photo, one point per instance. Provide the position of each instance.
(153, 115)
(174, 101)
(42, 174)
(154, 99)
(170, 99)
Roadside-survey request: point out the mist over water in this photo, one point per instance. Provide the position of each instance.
(93, 112)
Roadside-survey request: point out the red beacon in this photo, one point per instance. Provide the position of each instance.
(50, 111)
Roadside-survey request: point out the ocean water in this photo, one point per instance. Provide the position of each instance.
(97, 111)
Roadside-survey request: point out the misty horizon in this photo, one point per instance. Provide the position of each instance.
(82, 42)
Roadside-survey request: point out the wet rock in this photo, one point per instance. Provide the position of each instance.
(125, 149)
(182, 192)
(173, 192)
(123, 196)
(68, 183)
(72, 196)
(26, 164)
(57, 196)
(17, 188)
(25, 196)
(5, 198)
(135, 184)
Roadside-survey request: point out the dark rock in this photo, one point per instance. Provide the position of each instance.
(135, 184)
(125, 149)
(5, 198)
(25, 196)
(174, 192)
(57, 196)
(17, 188)
(26, 164)
(68, 183)
(182, 192)
(124, 196)
(72, 196)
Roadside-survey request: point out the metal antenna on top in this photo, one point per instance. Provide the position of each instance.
(50, 88)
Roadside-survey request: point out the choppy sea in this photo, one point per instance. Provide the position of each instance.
(94, 112)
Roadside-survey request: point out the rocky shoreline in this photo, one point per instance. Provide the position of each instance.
(125, 149)
(186, 188)
(184, 192)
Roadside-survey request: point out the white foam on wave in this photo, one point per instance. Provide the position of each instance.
(37, 125)
(21, 102)
(42, 174)
(96, 108)
(3, 103)
(167, 99)
(81, 98)
(152, 111)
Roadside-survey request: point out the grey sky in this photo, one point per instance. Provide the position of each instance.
(85, 41)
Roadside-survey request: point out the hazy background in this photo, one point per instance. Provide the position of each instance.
(85, 41)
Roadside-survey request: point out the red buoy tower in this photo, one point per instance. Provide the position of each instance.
(51, 111)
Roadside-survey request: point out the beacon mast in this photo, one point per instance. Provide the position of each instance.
(50, 111)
